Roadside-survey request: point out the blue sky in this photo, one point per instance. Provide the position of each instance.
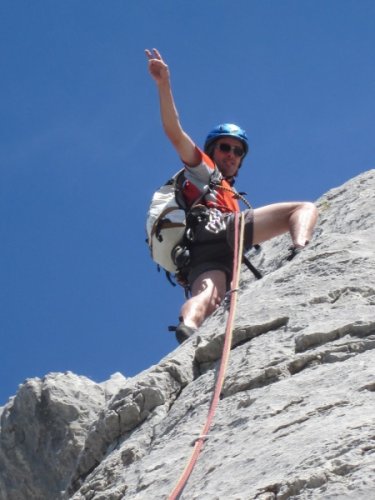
(82, 150)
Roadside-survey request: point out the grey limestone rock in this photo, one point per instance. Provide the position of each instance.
(296, 416)
(43, 429)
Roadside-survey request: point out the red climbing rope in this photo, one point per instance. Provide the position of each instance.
(238, 250)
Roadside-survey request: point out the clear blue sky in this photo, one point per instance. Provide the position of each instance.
(82, 150)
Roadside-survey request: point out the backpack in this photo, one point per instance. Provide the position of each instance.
(166, 221)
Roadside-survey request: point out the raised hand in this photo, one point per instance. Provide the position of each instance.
(157, 67)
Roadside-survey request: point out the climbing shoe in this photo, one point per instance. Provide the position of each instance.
(182, 331)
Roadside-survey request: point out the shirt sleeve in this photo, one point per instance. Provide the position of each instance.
(201, 173)
(197, 181)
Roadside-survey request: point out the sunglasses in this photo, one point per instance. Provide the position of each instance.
(224, 147)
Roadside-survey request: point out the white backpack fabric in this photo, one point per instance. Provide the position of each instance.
(166, 222)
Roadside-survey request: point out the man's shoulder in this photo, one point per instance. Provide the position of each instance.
(203, 160)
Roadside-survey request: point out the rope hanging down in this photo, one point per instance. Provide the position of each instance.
(238, 251)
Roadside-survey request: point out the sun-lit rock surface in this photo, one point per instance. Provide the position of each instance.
(296, 418)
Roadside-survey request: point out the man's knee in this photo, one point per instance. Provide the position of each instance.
(309, 210)
(210, 288)
(311, 207)
(300, 206)
(209, 280)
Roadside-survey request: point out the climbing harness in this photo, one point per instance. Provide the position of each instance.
(239, 227)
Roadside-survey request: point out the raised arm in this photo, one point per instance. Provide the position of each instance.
(183, 144)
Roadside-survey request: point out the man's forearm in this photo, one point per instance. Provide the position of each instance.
(183, 144)
(169, 114)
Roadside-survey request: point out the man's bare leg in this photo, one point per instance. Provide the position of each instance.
(208, 291)
(299, 218)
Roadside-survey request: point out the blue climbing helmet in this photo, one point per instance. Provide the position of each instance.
(226, 130)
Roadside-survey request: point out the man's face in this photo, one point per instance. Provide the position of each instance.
(226, 158)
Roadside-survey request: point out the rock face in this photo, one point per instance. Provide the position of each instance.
(297, 412)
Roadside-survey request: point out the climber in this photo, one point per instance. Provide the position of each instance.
(208, 272)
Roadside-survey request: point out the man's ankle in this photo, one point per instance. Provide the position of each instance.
(301, 245)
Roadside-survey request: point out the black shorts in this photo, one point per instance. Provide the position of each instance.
(213, 251)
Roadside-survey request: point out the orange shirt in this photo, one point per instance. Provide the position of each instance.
(197, 182)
